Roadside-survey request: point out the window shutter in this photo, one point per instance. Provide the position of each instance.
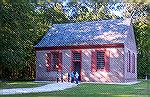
(107, 60)
(48, 64)
(60, 61)
(93, 62)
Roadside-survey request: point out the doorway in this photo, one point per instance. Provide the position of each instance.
(77, 68)
(76, 62)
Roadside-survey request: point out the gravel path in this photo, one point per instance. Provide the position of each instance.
(45, 88)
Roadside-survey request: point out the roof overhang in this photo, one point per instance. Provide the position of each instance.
(120, 45)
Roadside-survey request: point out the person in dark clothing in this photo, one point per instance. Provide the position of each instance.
(62, 77)
(68, 77)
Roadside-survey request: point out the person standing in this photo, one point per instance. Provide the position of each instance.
(68, 77)
(72, 77)
(77, 76)
(62, 77)
(57, 77)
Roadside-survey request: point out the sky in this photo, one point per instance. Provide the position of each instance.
(114, 8)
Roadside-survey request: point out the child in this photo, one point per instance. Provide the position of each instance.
(72, 77)
(76, 75)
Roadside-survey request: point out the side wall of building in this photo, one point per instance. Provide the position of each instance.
(130, 47)
(129, 75)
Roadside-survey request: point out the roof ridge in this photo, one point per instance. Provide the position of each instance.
(90, 21)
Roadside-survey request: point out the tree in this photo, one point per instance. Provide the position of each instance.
(23, 23)
(142, 30)
(54, 12)
(21, 28)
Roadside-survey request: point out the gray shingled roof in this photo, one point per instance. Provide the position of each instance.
(89, 33)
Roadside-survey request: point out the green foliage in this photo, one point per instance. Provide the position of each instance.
(142, 30)
(54, 13)
(57, 15)
(91, 15)
(21, 28)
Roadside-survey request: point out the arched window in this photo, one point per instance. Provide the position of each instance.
(133, 63)
(128, 62)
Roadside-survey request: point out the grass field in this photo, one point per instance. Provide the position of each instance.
(97, 90)
(20, 84)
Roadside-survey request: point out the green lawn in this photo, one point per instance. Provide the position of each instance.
(97, 90)
(20, 84)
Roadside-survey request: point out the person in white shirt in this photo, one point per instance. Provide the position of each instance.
(57, 77)
(76, 75)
